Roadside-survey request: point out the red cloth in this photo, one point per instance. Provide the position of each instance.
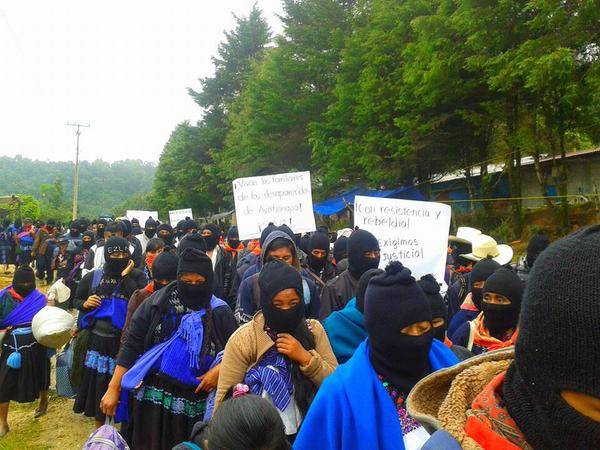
(490, 424)
(150, 288)
(482, 337)
(12, 292)
(233, 251)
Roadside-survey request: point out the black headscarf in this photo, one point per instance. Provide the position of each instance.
(233, 237)
(394, 301)
(88, 244)
(150, 228)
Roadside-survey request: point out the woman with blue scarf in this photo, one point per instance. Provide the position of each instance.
(279, 354)
(166, 368)
(24, 365)
(362, 405)
(101, 298)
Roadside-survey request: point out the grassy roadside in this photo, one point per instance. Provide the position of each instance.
(60, 428)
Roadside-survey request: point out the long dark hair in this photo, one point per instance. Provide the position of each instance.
(246, 423)
(304, 389)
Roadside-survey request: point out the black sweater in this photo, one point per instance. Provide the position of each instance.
(140, 334)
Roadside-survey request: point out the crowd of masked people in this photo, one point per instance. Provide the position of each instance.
(193, 339)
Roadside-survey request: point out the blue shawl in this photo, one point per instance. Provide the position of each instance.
(25, 310)
(178, 357)
(353, 411)
(345, 330)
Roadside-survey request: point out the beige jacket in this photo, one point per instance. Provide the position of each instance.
(250, 342)
(444, 398)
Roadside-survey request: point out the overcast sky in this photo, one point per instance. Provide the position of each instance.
(122, 66)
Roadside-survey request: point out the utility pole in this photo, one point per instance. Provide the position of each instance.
(76, 181)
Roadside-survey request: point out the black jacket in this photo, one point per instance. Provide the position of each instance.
(140, 334)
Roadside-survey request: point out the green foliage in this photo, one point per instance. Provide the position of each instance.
(101, 185)
(31, 207)
(381, 93)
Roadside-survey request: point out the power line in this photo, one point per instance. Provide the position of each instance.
(76, 178)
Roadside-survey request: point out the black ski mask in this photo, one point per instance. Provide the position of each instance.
(394, 301)
(150, 228)
(340, 249)
(195, 296)
(87, 240)
(481, 272)
(359, 243)
(318, 241)
(211, 239)
(164, 267)
(75, 228)
(557, 349)
(233, 237)
(100, 229)
(275, 277)
(165, 232)
(114, 266)
(23, 281)
(537, 244)
(361, 290)
(499, 318)
(431, 289)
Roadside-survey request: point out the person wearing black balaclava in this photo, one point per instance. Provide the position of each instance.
(496, 326)
(153, 425)
(281, 340)
(165, 232)
(317, 262)
(189, 226)
(370, 389)
(544, 393)
(100, 228)
(164, 272)
(537, 244)
(136, 228)
(346, 328)
(74, 237)
(24, 364)
(137, 255)
(471, 307)
(149, 232)
(221, 260)
(340, 254)
(101, 298)
(363, 254)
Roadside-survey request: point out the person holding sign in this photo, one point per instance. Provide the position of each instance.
(363, 254)
(362, 404)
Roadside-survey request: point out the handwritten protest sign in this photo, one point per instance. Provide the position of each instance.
(282, 199)
(179, 214)
(141, 215)
(414, 233)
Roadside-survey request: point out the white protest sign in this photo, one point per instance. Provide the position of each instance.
(282, 199)
(141, 215)
(179, 214)
(414, 233)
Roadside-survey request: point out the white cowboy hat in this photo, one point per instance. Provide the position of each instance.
(465, 235)
(486, 247)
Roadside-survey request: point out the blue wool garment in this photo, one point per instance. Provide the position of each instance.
(177, 357)
(272, 374)
(353, 411)
(25, 310)
(345, 330)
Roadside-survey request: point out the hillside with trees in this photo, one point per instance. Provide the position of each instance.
(103, 187)
(381, 93)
